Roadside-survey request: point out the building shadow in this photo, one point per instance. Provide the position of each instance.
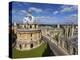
(47, 52)
(14, 37)
(12, 41)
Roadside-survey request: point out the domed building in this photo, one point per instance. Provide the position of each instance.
(29, 35)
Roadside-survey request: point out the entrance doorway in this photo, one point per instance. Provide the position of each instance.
(31, 46)
(20, 46)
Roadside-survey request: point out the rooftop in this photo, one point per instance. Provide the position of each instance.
(28, 30)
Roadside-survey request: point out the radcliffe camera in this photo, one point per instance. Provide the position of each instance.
(42, 30)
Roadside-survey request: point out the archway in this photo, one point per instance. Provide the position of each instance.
(31, 46)
(20, 46)
(74, 51)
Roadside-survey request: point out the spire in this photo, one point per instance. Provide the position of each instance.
(14, 23)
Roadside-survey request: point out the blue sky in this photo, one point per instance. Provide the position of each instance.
(45, 13)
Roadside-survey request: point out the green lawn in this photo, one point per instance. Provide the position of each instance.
(37, 52)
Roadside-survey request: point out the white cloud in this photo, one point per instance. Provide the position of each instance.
(55, 12)
(73, 18)
(68, 8)
(42, 17)
(13, 11)
(72, 15)
(35, 9)
(48, 20)
(23, 11)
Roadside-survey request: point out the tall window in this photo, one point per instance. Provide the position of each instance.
(35, 26)
(74, 51)
(24, 26)
(31, 46)
(30, 26)
(20, 46)
(31, 35)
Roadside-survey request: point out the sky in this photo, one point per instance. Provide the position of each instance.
(45, 13)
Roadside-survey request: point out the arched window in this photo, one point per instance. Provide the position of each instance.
(25, 45)
(30, 26)
(24, 26)
(31, 35)
(35, 25)
(66, 45)
(68, 32)
(74, 51)
(31, 46)
(20, 46)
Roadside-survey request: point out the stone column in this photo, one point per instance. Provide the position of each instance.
(33, 26)
(27, 26)
(67, 31)
(17, 45)
(62, 44)
(23, 46)
(58, 26)
(34, 44)
(15, 27)
(37, 26)
(28, 46)
(72, 30)
(71, 50)
(22, 26)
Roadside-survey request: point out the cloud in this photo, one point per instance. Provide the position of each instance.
(68, 8)
(23, 11)
(47, 20)
(19, 12)
(73, 18)
(74, 15)
(13, 11)
(35, 9)
(55, 12)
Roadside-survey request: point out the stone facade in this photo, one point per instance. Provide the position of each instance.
(65, 36)
(28, 34)
(28, 39)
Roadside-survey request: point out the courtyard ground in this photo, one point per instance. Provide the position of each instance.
(37, 52)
